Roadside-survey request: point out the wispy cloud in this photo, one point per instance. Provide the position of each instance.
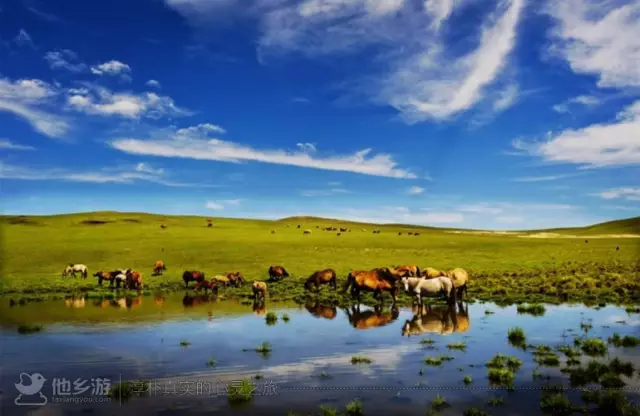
(24, 39)
(547, 177)
(415, 190)
(153, 83)
(324, 192)
(597, 145)
(630, 194)
(121, 175)
(23, 99)
(197, 145)
(585, 100)
(598, 38)
(300, 100)
(65, 59)
(35, 8)
(113, 68)
(222, 204)
(8, 145)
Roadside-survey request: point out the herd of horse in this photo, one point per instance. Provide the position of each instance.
(428, 282)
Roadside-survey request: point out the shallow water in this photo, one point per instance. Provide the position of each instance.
(310, 362)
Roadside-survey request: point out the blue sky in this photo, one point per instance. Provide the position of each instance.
(459, 113)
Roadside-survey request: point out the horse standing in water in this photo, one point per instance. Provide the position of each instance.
(72, 269)
(419, 287)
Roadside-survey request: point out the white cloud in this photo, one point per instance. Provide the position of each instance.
(507, 98)
(24, 39)
(300, 100)
(201, 147)
(201, 130)
(65, 59)
(112, 68)
(440, 10)
(122, 175)
(8, 145)
(415, 190)
(222, 204)
(103, 102)
(497, 208)
(599, 38)
(546, 178)
(306, 147)
(23, 97)
(586, 100)
(597, 145)
(153, 83)
(630, 194)
(143, 167)
(323, 192)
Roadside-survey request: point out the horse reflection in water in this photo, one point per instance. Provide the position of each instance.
(158, 300)
(127, 303)
(189, 301)
(371, 318)
(320, 311)
(75, 303)
(259, 307)
(438, 320)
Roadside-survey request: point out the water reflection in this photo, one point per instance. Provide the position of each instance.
(321, 311)
(259, 307)
(442, 320)
(371, 318)
(74, 302)
(190, 301)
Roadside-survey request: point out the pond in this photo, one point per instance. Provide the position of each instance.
(193, 350)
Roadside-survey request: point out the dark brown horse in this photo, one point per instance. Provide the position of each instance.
(236, 279)
(376, 281)
(277, 273)
(207, 285)
(108, 276)
(158, 268)
(192, 276)
(371, 318)
(320, 311)
(134, 280)
(321, 277)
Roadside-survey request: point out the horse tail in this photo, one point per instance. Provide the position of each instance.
(350, 281)
(418, 271)
(284, 272)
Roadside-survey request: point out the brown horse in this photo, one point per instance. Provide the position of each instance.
(321, 277)
(134, 280)
(460, 279)
(158, 268)
(236, 279)
(319, 311)
(408, 270)
(213, 285)
(259, 290)
(430, 272)
(376, 281)
(108, 276)
(371, 318)
(277, 273)
(192, 276)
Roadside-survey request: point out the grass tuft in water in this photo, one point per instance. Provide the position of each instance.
(501, 376)
(555, 403)
(29, 329)
(324, 375)
(594, 347)
(427, 341)
(627, 341)
(354, 408)
(240, 392)
(467, 380)
(457, 346)
(359, 359)
(439, 402)
(516, 336)
(495, 401)
(533, 309)
(211, 363)
(328, 411)
(286, 317)
(264, 349)
(436, 361)
(271, 318)
(184, 343)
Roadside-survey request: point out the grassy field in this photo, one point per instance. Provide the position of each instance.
(36, 249)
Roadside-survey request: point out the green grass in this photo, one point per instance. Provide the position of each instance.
(29, 329)
(543, 355)
(240, 392)
(439, 402)
(264, 349)
(457, 346)
(556, 403)
(211, 362)
(467, 379)
(427, 341)
(359, 359)
(286, 317)
(436, 361)
(534, 309)
(626, 341)
(594, 347)
(328, 411)
(184, 343)
(516, 336)
(354, 408)
(37, 248)
(495, 401)
(271, 318)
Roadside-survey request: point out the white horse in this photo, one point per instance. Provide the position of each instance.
(72, 269)
(419, 287)
(120, 279)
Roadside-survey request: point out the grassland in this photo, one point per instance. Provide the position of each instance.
(502, 267)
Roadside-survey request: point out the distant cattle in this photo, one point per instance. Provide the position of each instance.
(410, 233)
(209, 225)
(163, 226)
(277, 273)
(399, 233)
(273, 231)
(339, 234)
(306, 232)
(343, 230)
(298, 225)
(416, 233)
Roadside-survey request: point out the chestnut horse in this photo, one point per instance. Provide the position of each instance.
(408, 270)
(108, 276)
(134, 280)
(376, 281)
(158, 268)
(277, 273)
(236, 279)
(371, 318)
(259, 290)
(213, 285)
(319, 311)
(321, 277)
(192, 276)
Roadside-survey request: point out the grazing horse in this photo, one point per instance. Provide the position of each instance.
(321, 277)
(277, 273)
(72, 269)
(319, 311)
(134, 280)
(236, 279)
(408, 270)
(420, 287)
(460, 278)
(371, 318)
(221, 280)
(430, 272)
(192, 276)
(376, 281)
(158, 268)
(259, 290)
(108, 276)
(213, 285)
